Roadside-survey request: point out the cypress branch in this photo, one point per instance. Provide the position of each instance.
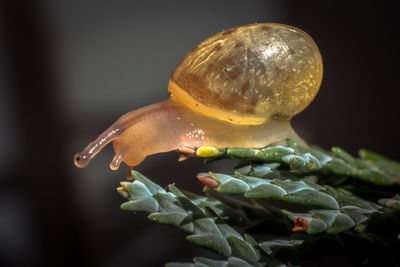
(347, 200)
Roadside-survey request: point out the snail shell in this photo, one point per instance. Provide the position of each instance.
(250, 73)
(239, 88)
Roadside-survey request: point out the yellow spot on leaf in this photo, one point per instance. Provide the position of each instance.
(207, 151)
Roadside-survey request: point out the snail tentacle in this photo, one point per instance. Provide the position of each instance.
(83, 158)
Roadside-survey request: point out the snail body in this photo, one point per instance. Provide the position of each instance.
(239, 88)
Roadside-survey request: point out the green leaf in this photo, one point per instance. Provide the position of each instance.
(371, 168)
(139, 190)
(209, 262)
(336, 221)
(271, 247)
(309, 197)
(242, 249)
(393, 202)
(266, 191)
(172, 218)
(145, 204)
(307, 176)
(152, 187)
(189, 212)
(317, 221)
(238, 262)
(212, 242)
(299, 192)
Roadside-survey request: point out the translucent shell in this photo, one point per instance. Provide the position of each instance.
(250, 74)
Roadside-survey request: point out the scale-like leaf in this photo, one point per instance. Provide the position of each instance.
(371, 168)
(307, 176)
(189, 212)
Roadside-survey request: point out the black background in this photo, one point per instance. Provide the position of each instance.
(68, 69)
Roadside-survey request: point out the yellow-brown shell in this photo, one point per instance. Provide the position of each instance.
(250, 74)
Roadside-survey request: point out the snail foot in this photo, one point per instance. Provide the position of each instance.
(128, 174)
(183, 157)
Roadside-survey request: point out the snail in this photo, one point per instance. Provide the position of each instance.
(239, 88)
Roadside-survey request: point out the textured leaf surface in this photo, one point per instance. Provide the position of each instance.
(370, 168)
(189, 212)
(306, 176)
(343, 211)
(393, 202)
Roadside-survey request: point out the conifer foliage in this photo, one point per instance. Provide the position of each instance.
(349, 203)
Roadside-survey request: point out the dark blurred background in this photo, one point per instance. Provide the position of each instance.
(69, 68)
